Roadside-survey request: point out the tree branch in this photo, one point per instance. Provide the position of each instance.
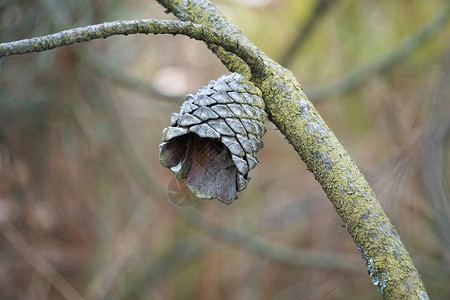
(205, 13)
(143, 26)
(40, 265)
(136, 84)
(319, 11)
(397, 54)
(388, 262)
(436, 137)
(285, 254)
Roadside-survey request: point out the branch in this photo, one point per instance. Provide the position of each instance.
(405, 47)
(388, 262)
(40, 265)
(436, 137)
(205, 13)
(285, 254)
(148, 272)
(320, 9)
(133, 83)
(143, 26)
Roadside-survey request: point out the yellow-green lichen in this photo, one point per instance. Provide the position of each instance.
(388, 262)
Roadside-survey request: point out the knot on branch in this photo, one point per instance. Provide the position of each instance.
(214, 139)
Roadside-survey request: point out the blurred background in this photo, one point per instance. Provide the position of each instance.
(84, 206)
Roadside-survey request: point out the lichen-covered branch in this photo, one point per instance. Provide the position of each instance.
(143, 26)
(388, 262)
(91, 32)
(205, 13)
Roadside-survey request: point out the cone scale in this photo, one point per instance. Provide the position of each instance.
(212, 142)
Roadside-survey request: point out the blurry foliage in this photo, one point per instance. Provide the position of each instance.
(83, 204)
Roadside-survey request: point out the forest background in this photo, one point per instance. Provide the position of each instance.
(84, 204)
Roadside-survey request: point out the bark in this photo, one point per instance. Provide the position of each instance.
(143, 26)
(388, 262)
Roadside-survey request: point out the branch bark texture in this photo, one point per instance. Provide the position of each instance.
(143, 26)
(388, 262)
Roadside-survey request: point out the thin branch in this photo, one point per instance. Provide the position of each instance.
(122, 255)
(284, 254)
(144, 274)
(142, 26)
(319, 11)
(279, 253)
(388, 262)
(434, 161)
(205, 13)
(405, 47)
(37, 262)
(133, 83)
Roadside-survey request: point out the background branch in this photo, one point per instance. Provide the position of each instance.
(133, 83)
(297, 42)
(405, 47)
(38, 262)
(434, 159)
(279, 253)
(283, 254)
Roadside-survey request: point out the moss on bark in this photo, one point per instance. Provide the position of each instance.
(388, 262)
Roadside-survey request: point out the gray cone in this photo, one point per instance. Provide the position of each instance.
(213, 141)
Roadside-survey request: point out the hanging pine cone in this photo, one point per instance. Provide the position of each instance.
(213, 141)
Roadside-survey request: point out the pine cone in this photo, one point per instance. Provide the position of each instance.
(213, 141)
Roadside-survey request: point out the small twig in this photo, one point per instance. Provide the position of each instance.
(387, 260)
(281, 254)
(37, 262)
(405, 47)
(133, 83)
(144, 274)
(436, 137)
(297, 42)
(210, 17)
(123, 251)
(142, 26)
